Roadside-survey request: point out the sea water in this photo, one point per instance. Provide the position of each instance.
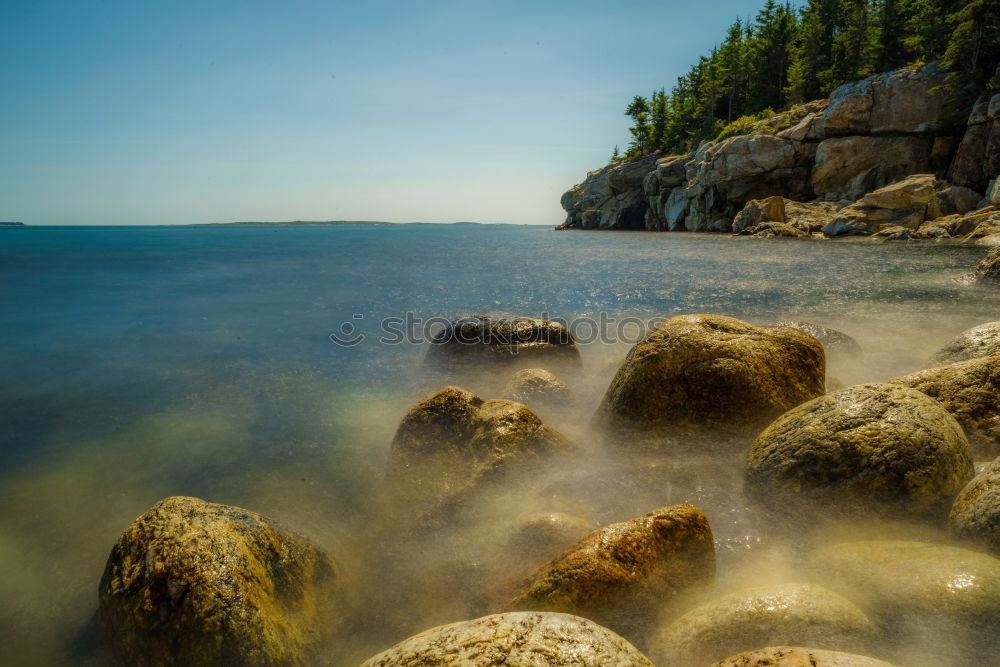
(265, 367)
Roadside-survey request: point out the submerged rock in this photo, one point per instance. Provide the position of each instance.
(832, 340)
(195, 583)
(544, 536)
(970, 391)
(452, 441)
(710, 370)
(622, 574)
(518, 639)
(789, 614)
(937, 601)
(979, 341)
(988, 271)
(482, 338)
(869, 449)
(976, 513)
(794, 656)
(535, 384)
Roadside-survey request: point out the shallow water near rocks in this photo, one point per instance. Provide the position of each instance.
(138, 363)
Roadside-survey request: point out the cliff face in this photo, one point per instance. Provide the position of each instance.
(869, 134)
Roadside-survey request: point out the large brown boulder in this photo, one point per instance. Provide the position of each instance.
(874, 449)
(506, 340)
(970, 391)
(622, 574)
(715, 371)
(849, 167)
(930, 600)
(195, 583)
(908, 100)
(979, 341)
(788, 614)
(976, 513)
(519, 639)
(453, 441)
(795, 656)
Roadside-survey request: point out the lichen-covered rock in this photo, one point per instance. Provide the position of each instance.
(532, 384)
(710, 370)
(976, 513)
(452, 441)
(832, 340)
(789, 614)
(933, 600)
(195, 583)
(988, 271)
(483, 338)
(979, 341)
(756, 211)
(622, 574)
(767, 230)
(543, 536)
(873, 449)
(518, 639)
(912, 192)
(970, 391)
(795, 656)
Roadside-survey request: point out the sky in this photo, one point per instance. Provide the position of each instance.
(124, 112)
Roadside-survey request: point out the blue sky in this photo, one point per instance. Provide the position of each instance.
(175, 112)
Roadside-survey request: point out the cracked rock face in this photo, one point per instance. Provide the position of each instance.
(873, 449)
(196, 583)
(710, 370)
(970, 391)
(979, 341)
(976, 513)
(791, 614)
(517, 639)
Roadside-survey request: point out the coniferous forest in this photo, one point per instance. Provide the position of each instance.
(786, 56)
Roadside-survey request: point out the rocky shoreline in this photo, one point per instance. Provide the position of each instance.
(196, 583)
(888, 157)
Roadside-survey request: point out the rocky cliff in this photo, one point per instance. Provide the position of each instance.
(820, 160)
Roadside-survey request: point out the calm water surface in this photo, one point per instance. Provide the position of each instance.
(137, 363)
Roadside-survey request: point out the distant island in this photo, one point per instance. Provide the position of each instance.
(12, 224)
(323, 223)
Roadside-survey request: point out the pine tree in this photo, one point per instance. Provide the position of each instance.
(638, 111)
(973, 51)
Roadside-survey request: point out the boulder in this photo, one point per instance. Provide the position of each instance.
(849, 167)
(936, 601)
(912, 192)
(903, 101)
(794, 656)
(975, 515)
(988, 271)
(195, 583)
(487, 339)
(518, 639)
(902, 204)
(832, 340)
(531, 384)
(993, 192)
(767, 230)
(757, 211)
(970, 391)
(452, 441)
(952, 200)
(979, 341)
(789, 614)
(622, 574)
(873, 449)
(543, 536)
(710, 370)
(810, 217)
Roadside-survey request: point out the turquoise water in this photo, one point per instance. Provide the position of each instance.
(138, 362)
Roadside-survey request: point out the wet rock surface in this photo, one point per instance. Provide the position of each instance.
(975, 515)
(196, 583)
(622, 574)
(988, 271)
(979, 341)
(832, 340)
(970, 392)
(794, 656)
(710, 370)
(789, 614)
(519, 639)
(936, 601)
(535, 384)
(869, 449)
(504, 340)
(543, 536)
